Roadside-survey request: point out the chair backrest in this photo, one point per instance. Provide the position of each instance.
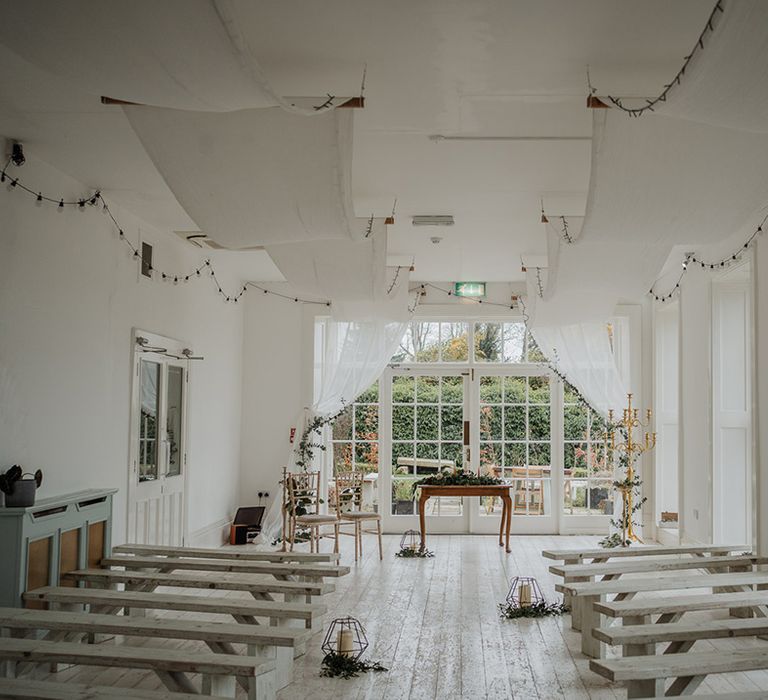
(303, 492)
(349, 492)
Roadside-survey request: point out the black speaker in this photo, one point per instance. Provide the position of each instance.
(247, 524)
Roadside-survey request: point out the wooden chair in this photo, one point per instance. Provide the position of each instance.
(304, 497)
(528, 486)
(349, 508)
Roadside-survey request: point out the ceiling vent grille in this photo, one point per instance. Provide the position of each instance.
(433, 220)
(199, 240)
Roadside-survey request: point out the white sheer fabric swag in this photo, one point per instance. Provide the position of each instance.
(583, 353)
(352, 357)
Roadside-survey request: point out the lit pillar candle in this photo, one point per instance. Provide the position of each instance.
(525, 595)
(345, 644)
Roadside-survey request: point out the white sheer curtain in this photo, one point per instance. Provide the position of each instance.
(352, 356)
(583, 353)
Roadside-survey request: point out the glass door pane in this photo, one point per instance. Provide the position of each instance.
(515, 438)
(149, 379)
(427, 437)
(174, 419)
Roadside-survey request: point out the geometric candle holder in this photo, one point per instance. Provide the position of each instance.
(411, 540)
(524, 592)
(346, 637)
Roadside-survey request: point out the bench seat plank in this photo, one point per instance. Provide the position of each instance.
(681, 631)
(221, 632)
(680, 604)
(643, 551)
(150, 658)
(239, 553)
(649, 565)
(168, 601)
(55, 690)
(231, 582)
(677, 665)
(663, 583)
(226, 566)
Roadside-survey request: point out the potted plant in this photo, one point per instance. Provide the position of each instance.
(402, 491)
(20, 492)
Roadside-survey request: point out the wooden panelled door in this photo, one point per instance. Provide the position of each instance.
(157, 469)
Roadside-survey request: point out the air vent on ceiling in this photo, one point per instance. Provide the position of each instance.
(436, 220)
(199, 239)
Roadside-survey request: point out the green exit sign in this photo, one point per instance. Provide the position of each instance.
(469, 289)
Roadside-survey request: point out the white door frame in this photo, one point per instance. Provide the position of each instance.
(180, 483)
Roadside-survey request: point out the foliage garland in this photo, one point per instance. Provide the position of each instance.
(340, 665)
(414, 553)
(459, 478)
(509, 611)
(622, 524)
(310, 438)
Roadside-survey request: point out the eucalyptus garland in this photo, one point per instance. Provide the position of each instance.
(340, 665)
(459, 478)
(414, 553)
(509, 611)
(310, 438)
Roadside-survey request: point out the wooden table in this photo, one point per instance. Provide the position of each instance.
(500, 490)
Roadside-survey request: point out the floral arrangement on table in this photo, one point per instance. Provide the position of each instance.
(459, 478)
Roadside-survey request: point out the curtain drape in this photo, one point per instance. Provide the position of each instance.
(583, 353)
(352, 356)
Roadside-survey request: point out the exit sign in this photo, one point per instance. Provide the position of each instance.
(469, 289)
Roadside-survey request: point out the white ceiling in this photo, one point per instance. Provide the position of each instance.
(505, 68)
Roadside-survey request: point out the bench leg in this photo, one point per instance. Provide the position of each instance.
(590, 618)
(574, 602)
(262, 687)
(651, 687)
(223, 686)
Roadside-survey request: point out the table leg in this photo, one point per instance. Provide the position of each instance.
(508, 503)
(422, 519)
(503, 521)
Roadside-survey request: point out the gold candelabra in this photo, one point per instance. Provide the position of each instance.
(632, 448)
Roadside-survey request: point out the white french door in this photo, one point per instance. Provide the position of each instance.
(157, 469)
(490, 420)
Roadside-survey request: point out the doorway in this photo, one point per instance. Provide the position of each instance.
(157, 467)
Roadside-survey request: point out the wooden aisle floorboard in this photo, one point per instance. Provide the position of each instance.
(434, 623)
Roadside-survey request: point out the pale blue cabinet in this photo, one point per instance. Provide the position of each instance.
(39, 544)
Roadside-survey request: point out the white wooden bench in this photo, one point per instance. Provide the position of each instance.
(586, 594)
(112, 601)
(602, 554)
(261, 642)
(612, 570)
(259, 588)
(279, 570)
(55, 690)
(240, 553)
(575, 556)
(688, 670)
(170, 665)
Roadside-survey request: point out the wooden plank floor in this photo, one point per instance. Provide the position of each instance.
(434, 624)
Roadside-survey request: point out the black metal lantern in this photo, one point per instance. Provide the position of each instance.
(411, 540)
(524, 592)
(345, 637)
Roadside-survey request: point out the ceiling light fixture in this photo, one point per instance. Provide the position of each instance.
(433, 220)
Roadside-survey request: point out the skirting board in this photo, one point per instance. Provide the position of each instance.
(213, 535)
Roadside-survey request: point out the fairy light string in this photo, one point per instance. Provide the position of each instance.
(205, 269)
(692, 260)
(709, 28)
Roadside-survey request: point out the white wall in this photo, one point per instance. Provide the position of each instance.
(760, 420)
(275, 342)
(695, 408)
(667, 352)
(69, 296)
